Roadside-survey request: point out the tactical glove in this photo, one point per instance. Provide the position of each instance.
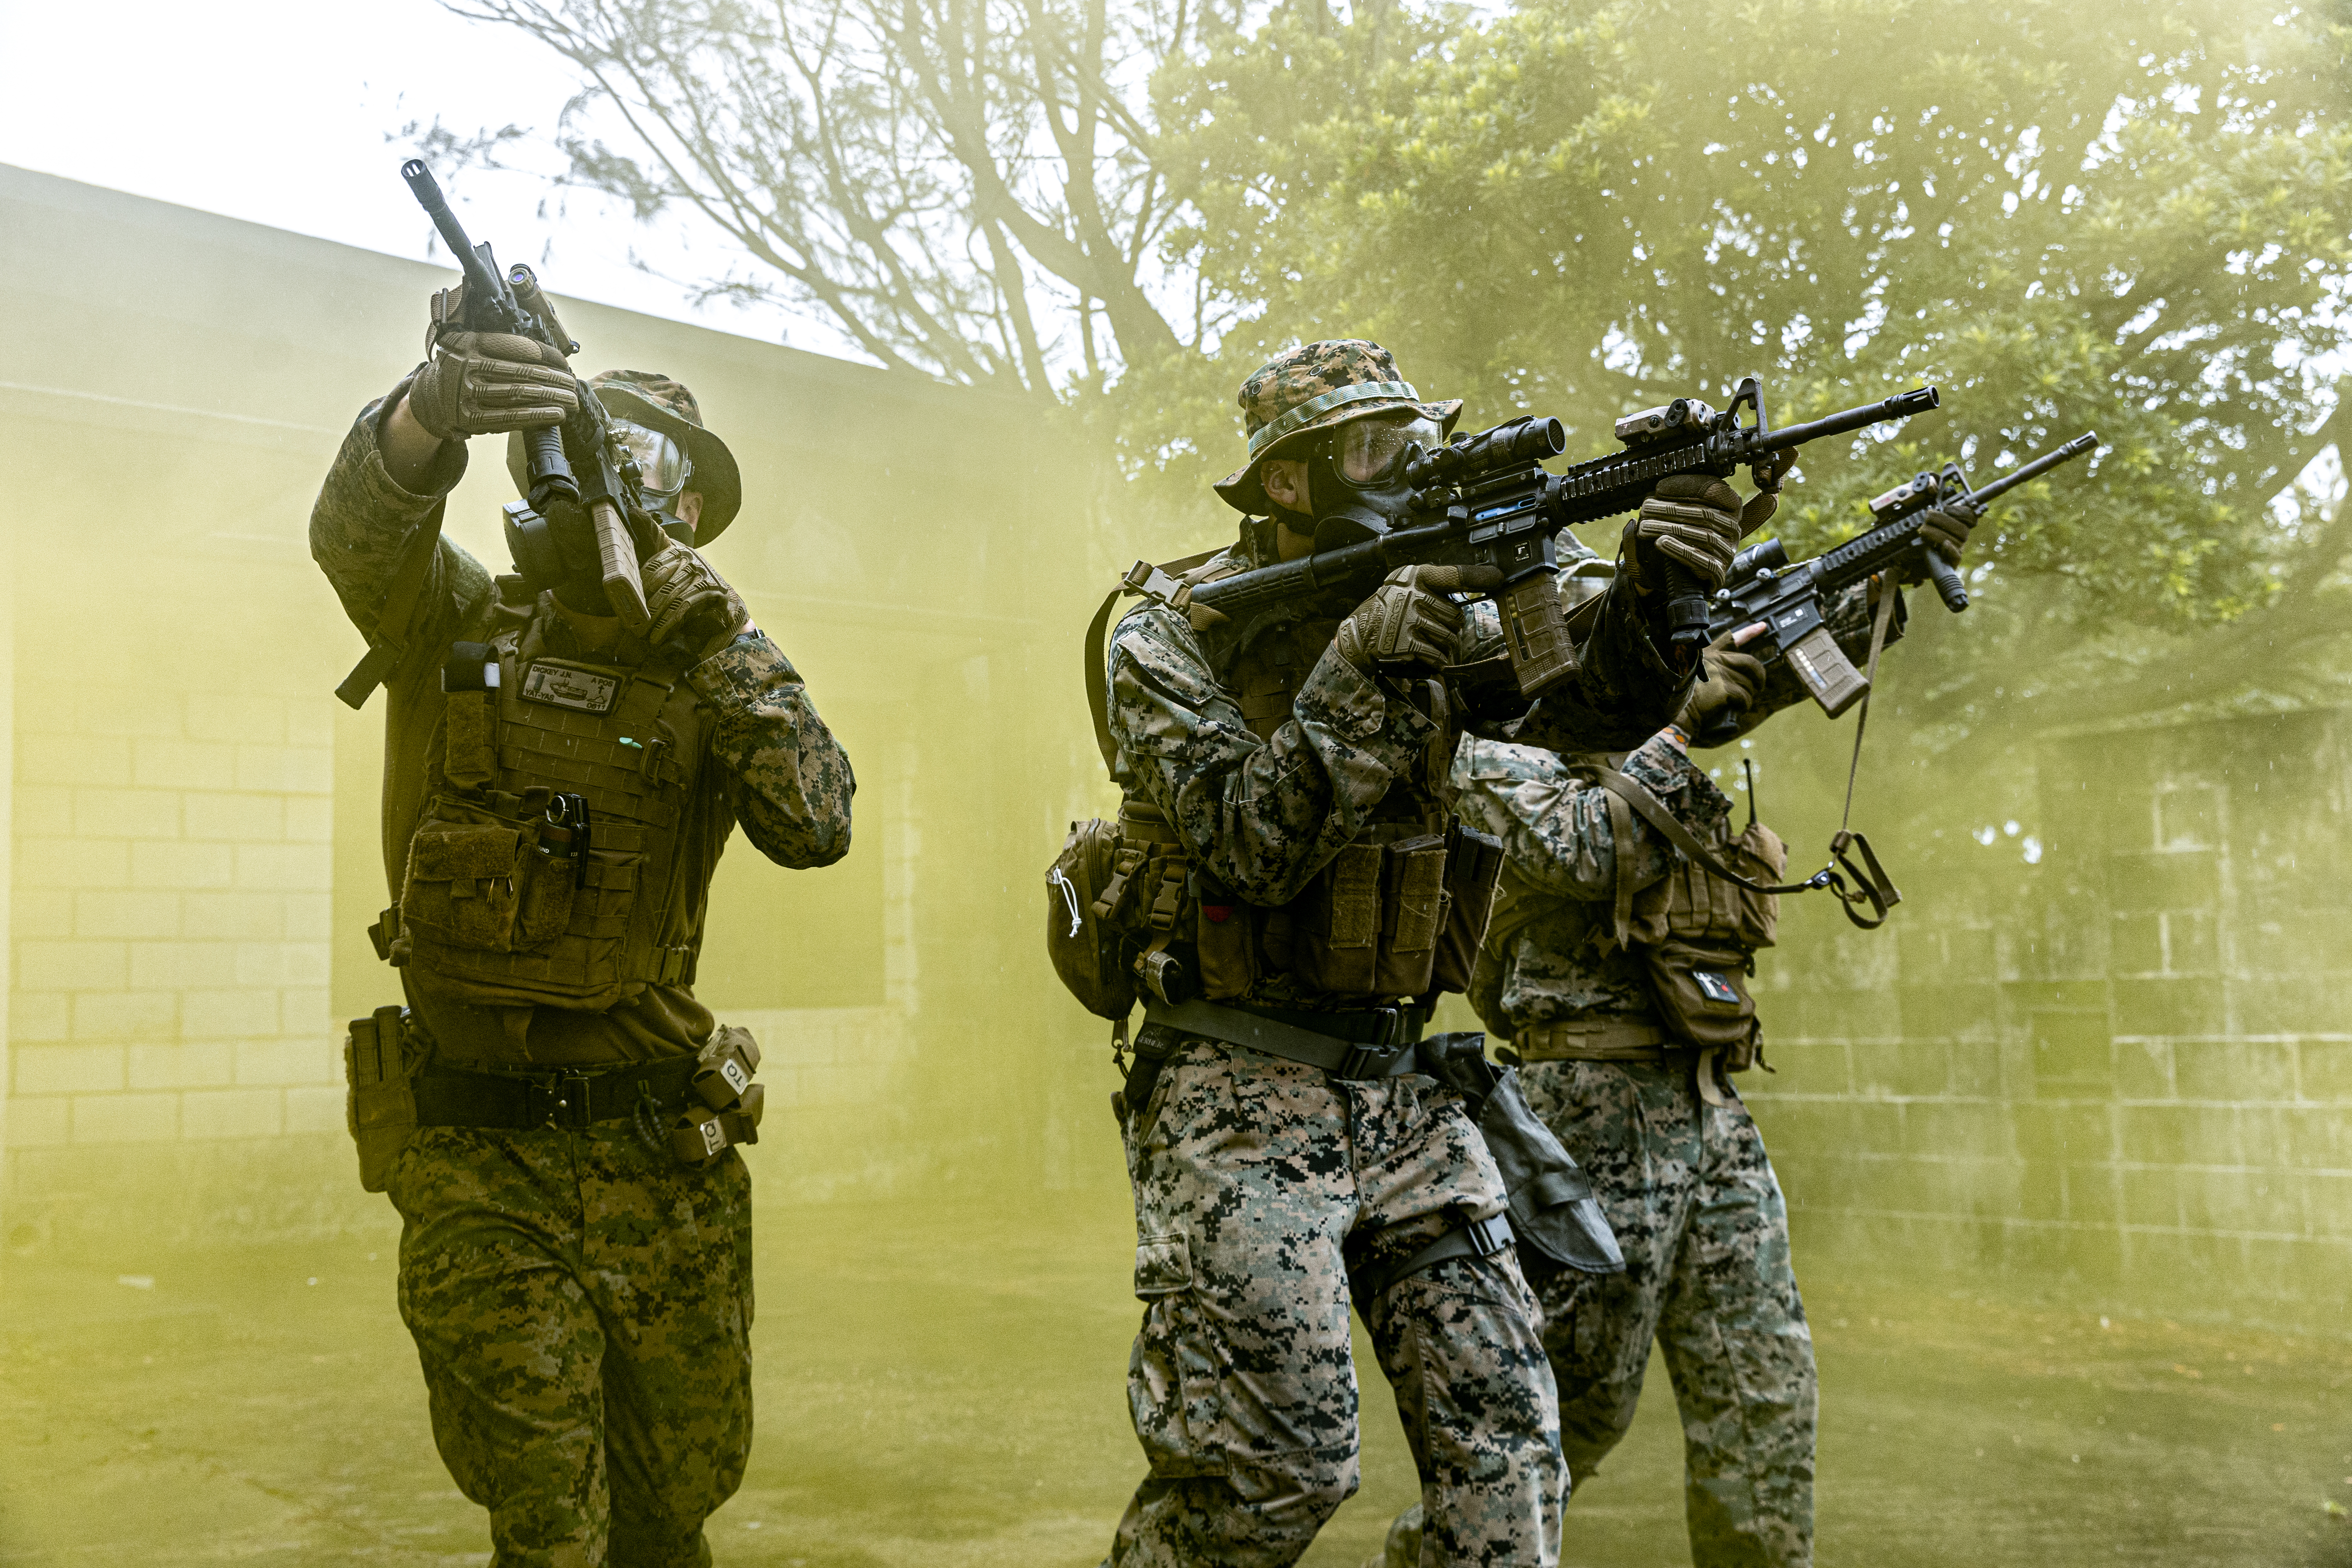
(1696, 521)
(684, 592)
(1409, 623)
(479, 384)
(1728, 678)
(1946, 533)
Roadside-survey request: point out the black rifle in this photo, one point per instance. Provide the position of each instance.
(579, 464)
(1763, 588)
(1493, 504)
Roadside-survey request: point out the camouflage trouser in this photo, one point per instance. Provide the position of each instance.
(581, 1307)
(1696, 1208)
(1255, 1180)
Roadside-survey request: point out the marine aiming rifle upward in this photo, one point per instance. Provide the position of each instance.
(577, 465)
(1490, 502)
(1762, 587)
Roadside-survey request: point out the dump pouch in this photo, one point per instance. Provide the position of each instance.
(1557, 1219)
(1083, 945)
(379, 1099)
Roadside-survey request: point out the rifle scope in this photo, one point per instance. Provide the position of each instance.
(1511, 444)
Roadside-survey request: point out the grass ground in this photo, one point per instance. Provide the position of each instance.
(943, 1387)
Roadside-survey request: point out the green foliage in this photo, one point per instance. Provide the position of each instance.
(2126, 218)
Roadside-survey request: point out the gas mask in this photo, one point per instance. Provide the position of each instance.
(665, 475)
(1355, 477)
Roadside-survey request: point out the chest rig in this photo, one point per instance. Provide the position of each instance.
(1395, 914)
(563, 853)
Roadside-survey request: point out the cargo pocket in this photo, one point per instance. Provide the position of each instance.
(1171, 1386)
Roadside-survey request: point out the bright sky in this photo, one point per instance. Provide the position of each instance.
(277, 111)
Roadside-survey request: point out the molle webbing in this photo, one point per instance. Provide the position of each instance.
(548, 924)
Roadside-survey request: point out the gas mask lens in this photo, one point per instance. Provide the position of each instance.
(664, 466)
(1368, 448)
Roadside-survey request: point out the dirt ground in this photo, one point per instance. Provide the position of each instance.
(943, 1386)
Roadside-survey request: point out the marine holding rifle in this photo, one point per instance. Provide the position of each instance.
(555, 1113)
(1285, 880)
(1615, 970)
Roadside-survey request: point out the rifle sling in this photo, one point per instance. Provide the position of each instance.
(386, 648)
(1098, 671)
(1654, 812)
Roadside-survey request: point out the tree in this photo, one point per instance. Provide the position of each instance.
(964, 188)
(2129, 219)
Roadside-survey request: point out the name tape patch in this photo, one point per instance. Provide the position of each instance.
(574, 686)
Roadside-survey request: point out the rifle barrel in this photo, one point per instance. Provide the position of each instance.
(1902, 405)
(2036, 468)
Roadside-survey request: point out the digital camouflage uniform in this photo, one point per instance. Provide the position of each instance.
(1257, 1180)
(1686, 1186)
(581, 1303)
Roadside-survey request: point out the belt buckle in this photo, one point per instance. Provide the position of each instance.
(1489, 1237)
(564, 1101)
(1373, 1057)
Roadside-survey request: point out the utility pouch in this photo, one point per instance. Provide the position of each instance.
(1083, 945)
(1554, 1215)
(380, 1099)
(1225, 938)
(1702, 996)
(1474, 863)
(1697, 933)
(485, 883)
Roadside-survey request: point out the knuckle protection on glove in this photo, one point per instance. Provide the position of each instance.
(1707, 489)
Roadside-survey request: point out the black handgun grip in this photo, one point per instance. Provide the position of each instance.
(1947, 579)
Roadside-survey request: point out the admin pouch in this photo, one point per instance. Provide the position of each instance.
(380, 1066)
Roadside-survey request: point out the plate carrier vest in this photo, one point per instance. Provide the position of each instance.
(560, 859)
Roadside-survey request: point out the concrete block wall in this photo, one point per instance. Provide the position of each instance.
(171, 922)
(2129, 1068)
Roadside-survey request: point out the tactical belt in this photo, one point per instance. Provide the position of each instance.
(1595, 1040)
(448, 1097)
(1374, 1044)
(1479, 1239)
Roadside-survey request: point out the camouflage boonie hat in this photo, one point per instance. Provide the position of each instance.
(648, 398)
(1313, 387)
